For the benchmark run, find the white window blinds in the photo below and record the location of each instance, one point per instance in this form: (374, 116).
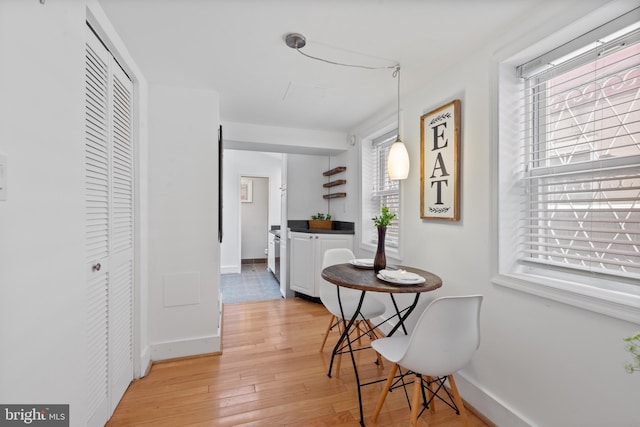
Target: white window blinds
(580, 148)
(382, 190)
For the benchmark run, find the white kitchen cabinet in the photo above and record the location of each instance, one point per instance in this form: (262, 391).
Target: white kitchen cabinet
(307, 251)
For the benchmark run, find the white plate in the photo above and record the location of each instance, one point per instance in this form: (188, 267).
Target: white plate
(362, 263)
(400, 277)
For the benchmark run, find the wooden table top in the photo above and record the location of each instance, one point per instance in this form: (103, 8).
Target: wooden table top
(365, 280)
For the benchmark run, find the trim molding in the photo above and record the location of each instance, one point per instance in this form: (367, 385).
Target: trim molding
(230, 269)
(487, 406)
(610, 303)
(185, 348)
(145, 362)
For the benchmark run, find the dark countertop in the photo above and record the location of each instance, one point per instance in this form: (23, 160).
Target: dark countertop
(275, 230)
(339, 227)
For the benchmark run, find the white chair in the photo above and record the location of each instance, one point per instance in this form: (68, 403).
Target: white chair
(443, 341)
(349, 298)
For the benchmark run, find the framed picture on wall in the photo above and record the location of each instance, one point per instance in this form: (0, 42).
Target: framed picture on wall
(246, 190)
(440, 163)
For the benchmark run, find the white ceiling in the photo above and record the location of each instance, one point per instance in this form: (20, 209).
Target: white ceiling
(236, 47)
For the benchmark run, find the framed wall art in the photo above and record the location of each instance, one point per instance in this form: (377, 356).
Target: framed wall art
(246, 190)
(440, 163)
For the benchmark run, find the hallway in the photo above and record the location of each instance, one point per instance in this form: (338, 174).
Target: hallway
(254, 283)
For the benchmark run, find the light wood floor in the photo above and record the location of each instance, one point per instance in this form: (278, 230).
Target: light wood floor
(270, 374)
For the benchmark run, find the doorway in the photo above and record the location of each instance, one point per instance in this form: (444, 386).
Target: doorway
(254, 219)
(255, 282)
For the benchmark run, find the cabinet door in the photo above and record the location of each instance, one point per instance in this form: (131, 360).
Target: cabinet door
(302, 264)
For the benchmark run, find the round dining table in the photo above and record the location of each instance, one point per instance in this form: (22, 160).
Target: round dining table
(365, 279)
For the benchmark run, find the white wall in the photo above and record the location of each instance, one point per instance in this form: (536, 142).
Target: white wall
(237, 163)
(304, 185)
(346, 209)
(42, 237)
(540, 362)
(276, 139)
(42, 279)
(183, 222)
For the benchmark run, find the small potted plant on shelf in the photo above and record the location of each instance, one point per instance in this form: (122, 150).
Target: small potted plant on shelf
(382, 222)
(321, 221)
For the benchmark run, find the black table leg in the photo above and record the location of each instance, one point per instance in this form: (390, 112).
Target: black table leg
(402, 318)
(345, 336)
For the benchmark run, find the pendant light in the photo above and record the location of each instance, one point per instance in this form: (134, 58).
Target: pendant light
(398, 160)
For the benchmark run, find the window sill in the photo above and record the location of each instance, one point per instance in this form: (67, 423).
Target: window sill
(619, 305)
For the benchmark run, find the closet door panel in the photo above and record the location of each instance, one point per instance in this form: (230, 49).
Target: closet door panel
(121, 283)
(97, 213)
(109, 172)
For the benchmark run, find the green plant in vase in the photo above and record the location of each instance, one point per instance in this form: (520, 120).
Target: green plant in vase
(385, 218)
(382, 222)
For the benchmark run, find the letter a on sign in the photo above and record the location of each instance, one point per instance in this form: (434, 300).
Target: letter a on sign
(440, 163)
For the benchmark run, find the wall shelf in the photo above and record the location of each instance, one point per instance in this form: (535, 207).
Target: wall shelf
(334, 183)
(335, 171)
(334, 195)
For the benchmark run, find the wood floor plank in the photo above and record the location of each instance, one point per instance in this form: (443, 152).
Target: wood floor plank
(270, 373)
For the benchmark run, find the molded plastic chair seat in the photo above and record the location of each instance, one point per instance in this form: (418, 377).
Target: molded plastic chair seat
(370, 307)
(444, 339)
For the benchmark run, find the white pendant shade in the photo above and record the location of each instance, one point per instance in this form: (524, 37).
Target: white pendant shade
(398, 161)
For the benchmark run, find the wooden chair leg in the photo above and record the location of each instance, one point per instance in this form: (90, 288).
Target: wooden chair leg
(432, 405)
(371, 338)
(359, 331)
(458, 400)
(338, 364)
(385, 391)
(415, 400)
(326, 334)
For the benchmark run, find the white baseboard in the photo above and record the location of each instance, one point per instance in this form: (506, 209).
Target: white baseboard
(230, 269)
(184, 348)
(475, 395)
(487, 404)
(145, 362)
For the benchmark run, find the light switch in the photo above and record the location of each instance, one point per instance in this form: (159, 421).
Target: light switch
(3, 177)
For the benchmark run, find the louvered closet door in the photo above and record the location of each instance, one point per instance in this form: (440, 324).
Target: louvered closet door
(109, 231)
(121, 262)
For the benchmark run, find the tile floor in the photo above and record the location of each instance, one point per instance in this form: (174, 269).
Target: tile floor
(254, 283)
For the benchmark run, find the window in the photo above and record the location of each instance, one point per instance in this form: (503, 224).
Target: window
(379, 190)
(570, 167)
(580, 141)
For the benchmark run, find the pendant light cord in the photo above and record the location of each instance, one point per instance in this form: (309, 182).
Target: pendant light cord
(396, 73)
(346, 65)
